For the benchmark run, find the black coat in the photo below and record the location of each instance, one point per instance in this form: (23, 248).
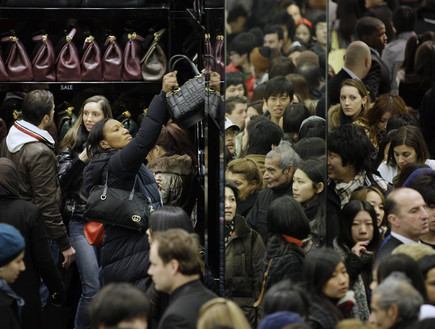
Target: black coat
(377, 80)
(427, 119)
(256, 218)
(125, 253)
(27, 218)
(387, 247)
(184, 305)
(8, 312)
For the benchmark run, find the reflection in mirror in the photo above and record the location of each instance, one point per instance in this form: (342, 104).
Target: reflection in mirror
(276, 70)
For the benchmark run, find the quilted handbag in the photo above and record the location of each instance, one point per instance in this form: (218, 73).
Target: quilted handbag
(43, 62)
(112, 60)
(18, 64)
(112, 206)
(94, 233)
(68, 61)
(154, 63)
(91, 65)
(132, 56)
(186, 103)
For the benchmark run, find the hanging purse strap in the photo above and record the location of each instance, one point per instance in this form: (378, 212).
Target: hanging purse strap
(176, 58)
(260, 298)
(131, 196)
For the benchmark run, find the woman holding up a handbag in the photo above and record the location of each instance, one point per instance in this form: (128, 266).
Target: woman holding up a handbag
(117, 158)
(72, 161)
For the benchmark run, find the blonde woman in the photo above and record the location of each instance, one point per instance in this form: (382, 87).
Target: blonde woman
(221, 312)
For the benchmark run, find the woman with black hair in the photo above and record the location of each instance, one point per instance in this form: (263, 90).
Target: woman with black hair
(287, 227)
(427, 268)
(327, 284)
(357, 240)
(244, 250)
(308, 187)
(117, 158)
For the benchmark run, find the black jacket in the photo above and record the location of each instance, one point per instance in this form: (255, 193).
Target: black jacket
(184, 305)
(387, 247)
(257, 216)
(427, 118)
(378, 79)
(125, 253)
(8, 312)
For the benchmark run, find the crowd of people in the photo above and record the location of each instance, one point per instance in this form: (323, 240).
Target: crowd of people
(329, 191)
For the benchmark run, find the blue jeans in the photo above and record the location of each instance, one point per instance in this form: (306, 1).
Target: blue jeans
(87, 260)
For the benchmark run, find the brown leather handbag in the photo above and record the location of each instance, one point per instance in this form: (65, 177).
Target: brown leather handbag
(132, 56)
(112, 60)
(68, 61)
(43, 62)
(18, 64)
(91, 65)
(154, 63)
(208, 51)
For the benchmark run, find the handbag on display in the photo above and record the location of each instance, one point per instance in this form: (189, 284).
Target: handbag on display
(67, 119)
(91, 61)
(131, 58)
(68, 61)
(186, 103)
(43, 62)
(112, 206)
(208, 49)
(218, 55)
(94, 233)
(128, 123)
(154, 63)
(112, 60)
(3, 72)
(18, 64)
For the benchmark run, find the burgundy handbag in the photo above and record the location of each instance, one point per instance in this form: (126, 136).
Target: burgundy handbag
(218, 55)
(208, 51)
(18, 64)
(112, 60)
(154, 63)
(68, 62)
(3, 72)
(91, 61)
(43, 62)
(132, 56)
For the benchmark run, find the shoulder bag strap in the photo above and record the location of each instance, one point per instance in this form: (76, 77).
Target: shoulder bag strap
(260, 298)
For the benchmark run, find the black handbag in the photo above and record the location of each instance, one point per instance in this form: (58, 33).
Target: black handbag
(112, 206)
(186, 103)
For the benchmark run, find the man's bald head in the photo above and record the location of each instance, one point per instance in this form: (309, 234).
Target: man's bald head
(356, 54)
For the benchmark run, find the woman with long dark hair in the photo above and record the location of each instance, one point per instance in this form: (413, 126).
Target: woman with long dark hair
(72, 161)
(357, 240)
(327, 284)
(287, 227)
(119, 158)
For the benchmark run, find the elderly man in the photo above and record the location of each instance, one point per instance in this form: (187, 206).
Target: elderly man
(407, 214)
(395, 303)
(280, 165)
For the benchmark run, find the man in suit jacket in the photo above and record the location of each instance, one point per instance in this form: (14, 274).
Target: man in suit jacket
(406, 212)
(357, 63)
(372, 31)
(175, 269)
